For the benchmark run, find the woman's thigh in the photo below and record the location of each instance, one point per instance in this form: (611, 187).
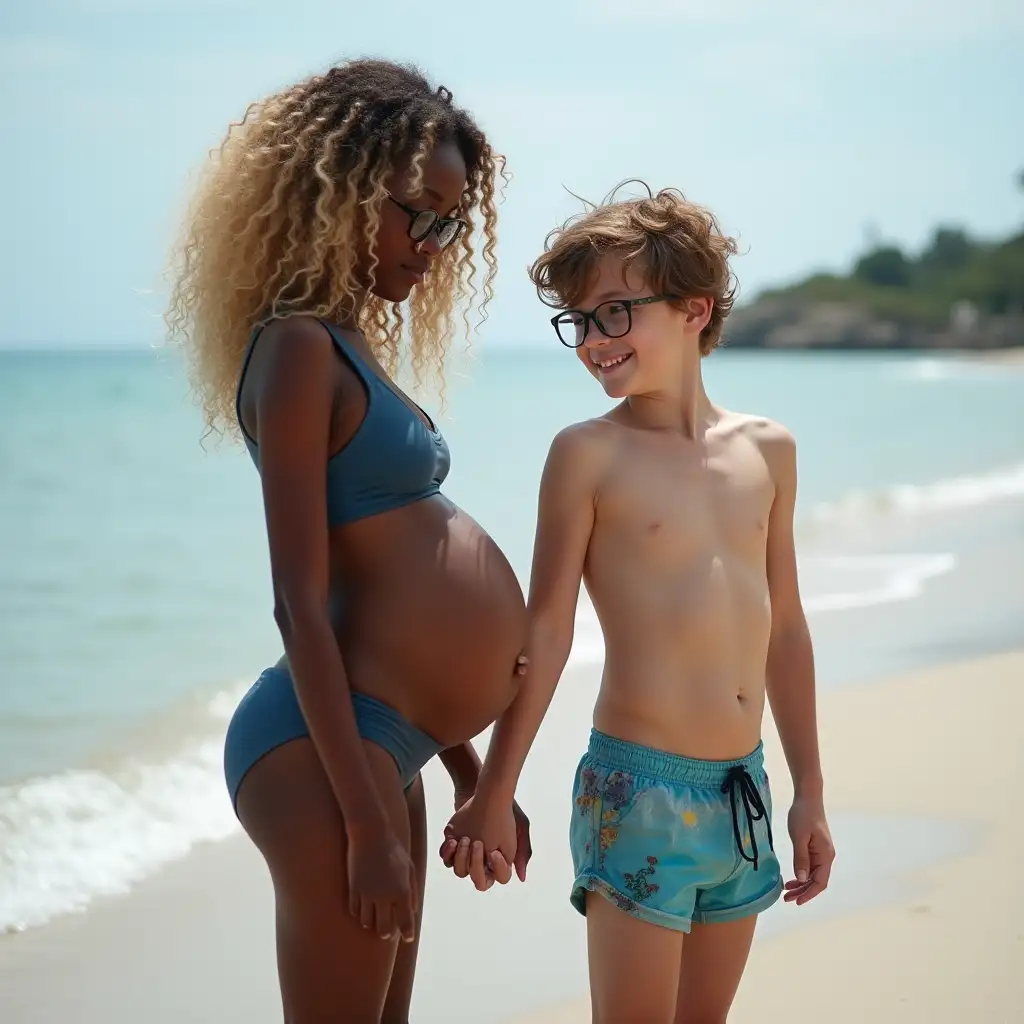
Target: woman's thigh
(328, 963)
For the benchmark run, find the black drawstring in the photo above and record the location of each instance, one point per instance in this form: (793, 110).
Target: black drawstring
(753, 806)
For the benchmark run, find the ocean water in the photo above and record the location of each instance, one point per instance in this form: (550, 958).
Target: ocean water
(135, 602)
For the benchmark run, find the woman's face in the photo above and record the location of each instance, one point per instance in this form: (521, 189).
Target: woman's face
(402, 261)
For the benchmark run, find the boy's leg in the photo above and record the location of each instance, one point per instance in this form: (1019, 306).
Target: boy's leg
(725, 915)
(711, 968)
(634, 966)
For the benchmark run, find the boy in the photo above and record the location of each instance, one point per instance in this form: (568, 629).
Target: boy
(678, 515)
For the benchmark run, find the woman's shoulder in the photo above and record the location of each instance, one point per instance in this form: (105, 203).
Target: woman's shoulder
(302, 329)
(292, 359)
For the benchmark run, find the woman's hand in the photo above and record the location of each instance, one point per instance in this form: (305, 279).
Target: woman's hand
(524, 848)
(381, 882)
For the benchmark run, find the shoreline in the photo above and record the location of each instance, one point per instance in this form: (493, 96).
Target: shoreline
(1013, 356)
(209, 920)
(933, 951)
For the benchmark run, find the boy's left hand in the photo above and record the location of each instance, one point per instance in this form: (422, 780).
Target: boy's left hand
(813, 852)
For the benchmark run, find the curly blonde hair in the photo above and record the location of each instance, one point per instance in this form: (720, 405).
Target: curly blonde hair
(290, 202)
(680, 248)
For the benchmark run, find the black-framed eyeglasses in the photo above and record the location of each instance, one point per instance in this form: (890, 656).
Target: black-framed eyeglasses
(613, 318)
(424, 222)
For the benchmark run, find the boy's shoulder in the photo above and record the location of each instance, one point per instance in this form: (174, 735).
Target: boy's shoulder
(585, 437)
(584, 449)
(772, 439)
(764, 432)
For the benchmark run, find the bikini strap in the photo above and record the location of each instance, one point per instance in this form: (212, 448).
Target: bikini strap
(341, 343)
(350, 355)
(246, 359)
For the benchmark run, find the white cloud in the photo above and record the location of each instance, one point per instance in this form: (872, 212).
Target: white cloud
(893, 20)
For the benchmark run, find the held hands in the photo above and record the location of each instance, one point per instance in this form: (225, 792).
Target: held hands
(813, 852)
(381, 882)
(482, 841)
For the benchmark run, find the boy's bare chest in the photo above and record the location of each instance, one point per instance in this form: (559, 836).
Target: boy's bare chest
(667, 500)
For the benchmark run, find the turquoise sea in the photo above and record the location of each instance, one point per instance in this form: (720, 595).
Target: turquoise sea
(135, 599)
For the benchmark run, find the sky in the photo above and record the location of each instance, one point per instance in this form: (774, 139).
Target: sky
(809, 127)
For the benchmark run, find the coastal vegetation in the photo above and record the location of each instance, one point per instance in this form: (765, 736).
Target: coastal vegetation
(958, 291)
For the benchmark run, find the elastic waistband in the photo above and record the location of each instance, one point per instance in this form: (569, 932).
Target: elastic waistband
(661, 766)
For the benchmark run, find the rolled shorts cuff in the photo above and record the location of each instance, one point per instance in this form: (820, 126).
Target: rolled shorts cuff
(589, 882)
(749, 909)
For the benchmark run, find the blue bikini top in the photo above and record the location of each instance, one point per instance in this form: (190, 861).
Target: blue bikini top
(394, 458)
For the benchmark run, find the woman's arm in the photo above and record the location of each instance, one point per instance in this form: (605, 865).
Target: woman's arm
(293, 406)
(463, 764)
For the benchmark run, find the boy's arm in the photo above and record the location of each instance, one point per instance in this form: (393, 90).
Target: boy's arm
(790, 678)
(790, 664)
(565, 519)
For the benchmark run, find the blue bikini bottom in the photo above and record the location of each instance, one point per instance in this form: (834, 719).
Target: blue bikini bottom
(269, 715)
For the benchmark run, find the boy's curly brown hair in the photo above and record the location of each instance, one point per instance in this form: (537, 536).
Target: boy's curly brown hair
(677, 246)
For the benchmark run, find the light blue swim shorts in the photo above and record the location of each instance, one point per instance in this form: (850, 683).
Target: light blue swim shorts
(670, 839)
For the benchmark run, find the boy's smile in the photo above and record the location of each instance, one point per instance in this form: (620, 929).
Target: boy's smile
(614, 361)
(606, 362)
(610, 362)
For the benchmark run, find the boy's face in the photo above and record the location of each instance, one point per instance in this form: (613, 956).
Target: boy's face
(655, 347)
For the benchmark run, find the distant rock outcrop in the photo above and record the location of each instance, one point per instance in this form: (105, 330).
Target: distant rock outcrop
(794, 323)
(958, 292)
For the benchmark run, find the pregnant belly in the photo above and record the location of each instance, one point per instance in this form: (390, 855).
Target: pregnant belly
(436, 625)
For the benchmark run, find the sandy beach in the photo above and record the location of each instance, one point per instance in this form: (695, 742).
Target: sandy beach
(137, 576)
(1003, 357)
(945, 744)
(906, 944)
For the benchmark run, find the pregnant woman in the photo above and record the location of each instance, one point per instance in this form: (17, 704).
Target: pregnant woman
(326, 208)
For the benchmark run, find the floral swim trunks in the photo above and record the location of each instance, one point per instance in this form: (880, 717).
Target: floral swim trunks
(670, 839)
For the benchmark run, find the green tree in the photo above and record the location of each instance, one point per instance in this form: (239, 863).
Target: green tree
(886, 267)
(950, 249)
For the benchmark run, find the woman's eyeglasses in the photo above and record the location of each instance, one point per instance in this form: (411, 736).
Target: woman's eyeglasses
(422, 223)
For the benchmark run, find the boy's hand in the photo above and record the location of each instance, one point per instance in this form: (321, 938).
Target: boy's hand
(475, 829)
(813, 852)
